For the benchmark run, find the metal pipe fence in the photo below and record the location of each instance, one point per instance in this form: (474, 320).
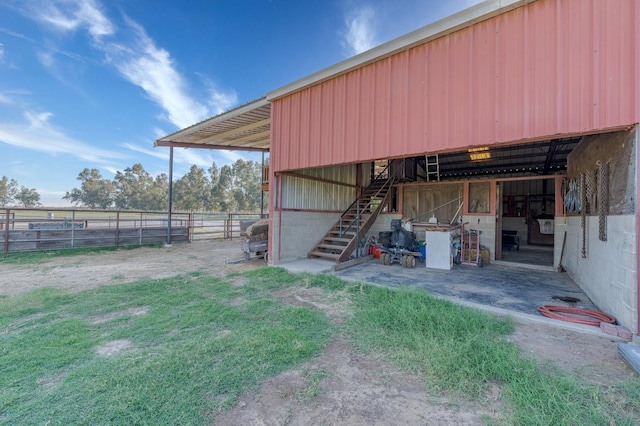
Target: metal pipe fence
(24, 229)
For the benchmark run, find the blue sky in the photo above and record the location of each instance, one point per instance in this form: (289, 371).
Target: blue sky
(90, 83)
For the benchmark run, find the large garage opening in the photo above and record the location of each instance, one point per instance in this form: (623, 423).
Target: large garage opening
(555, 205)
(527, 219)
(510, 193)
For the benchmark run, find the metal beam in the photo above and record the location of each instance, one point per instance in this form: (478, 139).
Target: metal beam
(318, 179)
(209, 146)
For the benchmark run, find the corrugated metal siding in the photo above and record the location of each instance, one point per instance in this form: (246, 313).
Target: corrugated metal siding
(305, 194)
(550, 67)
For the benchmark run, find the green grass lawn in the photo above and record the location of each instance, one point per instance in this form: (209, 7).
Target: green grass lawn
(181, 350)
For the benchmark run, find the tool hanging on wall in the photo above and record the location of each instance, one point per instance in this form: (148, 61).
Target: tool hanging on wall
(583, 214)
(591, 182)
(603, 199)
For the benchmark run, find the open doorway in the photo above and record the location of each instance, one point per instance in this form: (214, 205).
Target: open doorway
(527, 218)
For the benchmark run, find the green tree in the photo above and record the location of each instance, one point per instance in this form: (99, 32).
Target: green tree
(8, 191)
(94, 191)
(192, 192)
(221, 189)
(159, 193)
(28, 197)
(136, 189)
(246, 185)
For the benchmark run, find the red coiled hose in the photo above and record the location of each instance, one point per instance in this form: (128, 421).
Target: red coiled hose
(550, 311)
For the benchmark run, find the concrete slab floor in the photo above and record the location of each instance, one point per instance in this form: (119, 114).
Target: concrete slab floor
(511, 288)
(313, 266)
(502, 289)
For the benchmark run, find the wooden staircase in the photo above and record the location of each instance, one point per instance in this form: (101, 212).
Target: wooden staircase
(342, 239)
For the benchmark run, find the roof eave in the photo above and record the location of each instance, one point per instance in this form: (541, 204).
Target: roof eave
(170, 140)
(209, 146)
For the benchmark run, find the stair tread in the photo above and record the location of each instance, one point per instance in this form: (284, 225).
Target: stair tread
(346, 240)
(331, 246)
(324, 254)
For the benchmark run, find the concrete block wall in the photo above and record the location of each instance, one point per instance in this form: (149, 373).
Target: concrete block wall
(383, 223)
(487, 226)
(608, 274)
(560, 226)
(300, 232)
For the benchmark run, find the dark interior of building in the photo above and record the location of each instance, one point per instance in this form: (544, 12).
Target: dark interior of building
(527, 204)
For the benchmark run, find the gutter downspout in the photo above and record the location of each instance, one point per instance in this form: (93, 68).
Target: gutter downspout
(168, 243)
(637, 336)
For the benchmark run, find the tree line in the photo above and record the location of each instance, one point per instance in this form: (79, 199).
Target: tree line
(12, 193)
(235, 187)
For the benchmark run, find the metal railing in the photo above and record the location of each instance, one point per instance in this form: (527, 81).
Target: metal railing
(23, 229)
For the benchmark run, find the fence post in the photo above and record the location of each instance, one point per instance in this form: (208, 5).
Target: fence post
(73, 228)
(117, 229)
(191, 227)
(140, 228)
(6, 231)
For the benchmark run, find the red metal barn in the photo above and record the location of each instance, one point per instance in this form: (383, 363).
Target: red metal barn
(518, 116)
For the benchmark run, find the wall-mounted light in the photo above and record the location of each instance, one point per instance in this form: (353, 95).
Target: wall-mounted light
(476, 154)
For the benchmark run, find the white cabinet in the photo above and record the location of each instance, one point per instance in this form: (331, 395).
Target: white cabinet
(438, 250)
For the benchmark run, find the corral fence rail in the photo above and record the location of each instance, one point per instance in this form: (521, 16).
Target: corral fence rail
(28, 229)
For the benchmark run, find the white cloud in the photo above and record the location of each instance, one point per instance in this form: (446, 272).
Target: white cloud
(38, 134)
(144, 64)
(137, 58)
(112, 170)
(359, 35)
(192, 156)
(152, 69)
(159, 133)
(71, 15)
(1, 52)
(219, 101)
(46, 59)
(162, 154)
(232, 156)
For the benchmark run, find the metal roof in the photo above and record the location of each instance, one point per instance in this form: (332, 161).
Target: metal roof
(246, 128)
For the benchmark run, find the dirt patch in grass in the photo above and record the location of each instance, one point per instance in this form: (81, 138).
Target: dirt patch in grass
(124, 266)
(337, 308)
(113, 347)
(593, 359)
(341, 386)
(99, 319)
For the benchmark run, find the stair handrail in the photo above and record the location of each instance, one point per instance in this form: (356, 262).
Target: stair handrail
(364, 226)
(389, 181)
